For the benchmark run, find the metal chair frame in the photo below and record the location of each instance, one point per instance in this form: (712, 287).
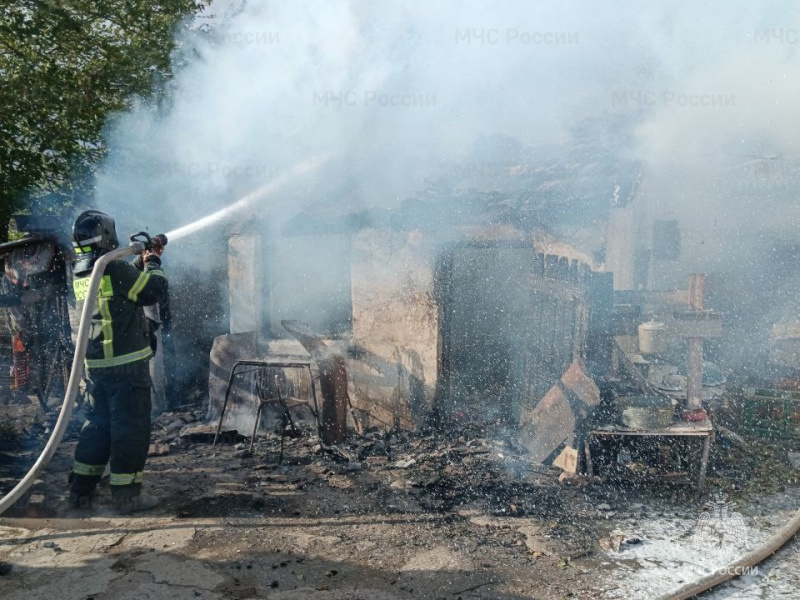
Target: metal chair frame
(265, 364)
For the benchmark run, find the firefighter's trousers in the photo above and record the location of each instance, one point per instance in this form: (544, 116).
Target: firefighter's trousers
(117, 427)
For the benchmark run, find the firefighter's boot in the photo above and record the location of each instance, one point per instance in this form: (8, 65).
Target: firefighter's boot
(82, 501)
(81, 491)
(125, 504)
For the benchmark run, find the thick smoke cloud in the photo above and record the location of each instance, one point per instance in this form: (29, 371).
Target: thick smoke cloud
(394, 90)
(390, 89)
(718, 137)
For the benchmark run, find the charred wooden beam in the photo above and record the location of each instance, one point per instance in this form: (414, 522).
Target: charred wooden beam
(333, 387)
(332, 382)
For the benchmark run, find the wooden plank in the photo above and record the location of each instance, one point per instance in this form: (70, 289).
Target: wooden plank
(568, 460)
(553, 422)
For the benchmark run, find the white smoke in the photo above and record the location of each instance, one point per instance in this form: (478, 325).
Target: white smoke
(394, 90)
(271, 84)
(391, 89)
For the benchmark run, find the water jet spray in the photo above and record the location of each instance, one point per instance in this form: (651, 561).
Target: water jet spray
(245, 201)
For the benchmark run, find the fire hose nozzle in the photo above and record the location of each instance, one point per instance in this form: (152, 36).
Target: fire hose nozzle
(143, 241)
(160, 240)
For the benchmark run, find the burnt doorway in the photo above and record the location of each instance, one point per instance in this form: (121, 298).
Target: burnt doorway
(508, 321)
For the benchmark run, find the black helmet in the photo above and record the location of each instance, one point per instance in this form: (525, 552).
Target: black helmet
(93, 235)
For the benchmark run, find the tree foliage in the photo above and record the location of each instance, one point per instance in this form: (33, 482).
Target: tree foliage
(64, 66)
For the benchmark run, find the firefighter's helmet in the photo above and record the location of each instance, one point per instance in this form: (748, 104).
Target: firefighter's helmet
(93, 234)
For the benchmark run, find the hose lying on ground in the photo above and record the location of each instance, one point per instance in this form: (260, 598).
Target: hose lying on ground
(737, 567)
(74, 377)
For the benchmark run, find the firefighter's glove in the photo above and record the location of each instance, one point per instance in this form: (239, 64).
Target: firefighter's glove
(147, 258)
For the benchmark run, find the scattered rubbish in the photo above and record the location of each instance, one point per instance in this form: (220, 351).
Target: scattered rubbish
(730, 436)
(612, 543)
(617, 541)
(205, 434)
(771, 413)
(574, 479)
(472, 485)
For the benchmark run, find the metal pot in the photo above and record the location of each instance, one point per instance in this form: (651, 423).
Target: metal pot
(646, 412)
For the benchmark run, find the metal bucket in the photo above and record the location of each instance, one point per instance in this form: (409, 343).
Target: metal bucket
(652, 338)
(646, 412)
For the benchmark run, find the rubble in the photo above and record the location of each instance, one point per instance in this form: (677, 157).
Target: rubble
(439, 473)
(204, 434)
(616, 542)
(465, 508)
(10, 436)
(574, 479)
(158, 450)
(169, 423)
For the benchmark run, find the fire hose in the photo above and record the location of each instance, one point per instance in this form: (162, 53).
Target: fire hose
(738, 567)
(139, 243)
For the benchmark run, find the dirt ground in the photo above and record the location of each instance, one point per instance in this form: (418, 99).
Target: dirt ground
(383, 516)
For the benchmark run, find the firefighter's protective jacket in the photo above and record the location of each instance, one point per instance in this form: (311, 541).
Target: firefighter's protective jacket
(119, 333)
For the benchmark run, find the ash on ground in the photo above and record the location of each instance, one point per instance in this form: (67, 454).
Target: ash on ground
(387, 515)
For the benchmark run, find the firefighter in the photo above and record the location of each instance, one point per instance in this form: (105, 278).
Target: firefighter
(117, 425)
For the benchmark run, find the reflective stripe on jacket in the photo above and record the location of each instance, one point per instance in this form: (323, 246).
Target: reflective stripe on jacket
(118, 334)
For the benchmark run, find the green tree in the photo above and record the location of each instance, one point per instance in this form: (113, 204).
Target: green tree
(64, 66)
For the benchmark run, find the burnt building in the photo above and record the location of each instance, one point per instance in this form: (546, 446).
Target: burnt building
(438, 307)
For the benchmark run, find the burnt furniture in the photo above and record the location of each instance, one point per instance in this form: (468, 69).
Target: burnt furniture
(278, 399)
(702, 430)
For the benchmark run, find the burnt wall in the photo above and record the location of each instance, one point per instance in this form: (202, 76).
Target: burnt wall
(477, 328)
(392, 359)
(511, 322)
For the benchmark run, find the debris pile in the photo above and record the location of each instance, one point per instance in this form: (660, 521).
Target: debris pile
(445, 472)
(23, 432)
(414, 510)
(168, 425)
